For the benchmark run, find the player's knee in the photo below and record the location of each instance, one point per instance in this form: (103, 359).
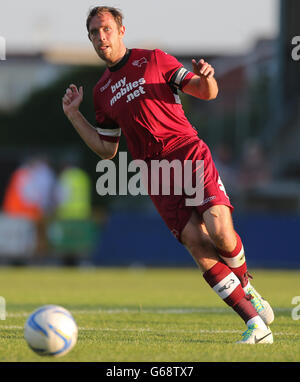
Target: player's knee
(223, 238)
(203, 253)
(198, 248)
(220, 227)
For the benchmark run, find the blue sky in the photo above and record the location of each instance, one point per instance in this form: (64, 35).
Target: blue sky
(214, 26)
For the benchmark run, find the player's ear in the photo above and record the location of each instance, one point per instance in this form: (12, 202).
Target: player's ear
(122, 30)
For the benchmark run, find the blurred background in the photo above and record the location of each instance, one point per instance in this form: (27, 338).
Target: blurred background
(50, 211)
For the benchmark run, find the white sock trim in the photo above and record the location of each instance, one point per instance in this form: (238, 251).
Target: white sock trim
(226, 286)
(236, 261)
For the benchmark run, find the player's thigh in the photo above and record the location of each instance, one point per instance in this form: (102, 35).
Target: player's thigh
(195, 236)
(197, 241)
(219, 224)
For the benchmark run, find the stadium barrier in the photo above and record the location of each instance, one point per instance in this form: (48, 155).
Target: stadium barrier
(18, 238)
(72, 240)
(138, 239)
(68, 241)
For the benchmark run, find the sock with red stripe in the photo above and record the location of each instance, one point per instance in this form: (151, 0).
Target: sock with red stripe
(227, 285)
(236, 261)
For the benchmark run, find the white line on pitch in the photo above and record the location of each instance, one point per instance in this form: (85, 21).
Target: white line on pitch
(146, 310)
(15, 327)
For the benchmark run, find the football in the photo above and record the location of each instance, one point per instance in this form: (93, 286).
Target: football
(51, 331)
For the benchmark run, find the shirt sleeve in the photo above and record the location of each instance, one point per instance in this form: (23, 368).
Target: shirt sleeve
(107, 129)
(173, 71)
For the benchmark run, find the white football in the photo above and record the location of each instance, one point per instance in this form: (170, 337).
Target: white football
(51, 331)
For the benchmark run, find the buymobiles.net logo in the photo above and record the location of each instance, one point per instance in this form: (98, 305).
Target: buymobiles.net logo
(2, 49)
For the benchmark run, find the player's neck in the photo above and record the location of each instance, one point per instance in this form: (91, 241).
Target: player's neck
(122, 53)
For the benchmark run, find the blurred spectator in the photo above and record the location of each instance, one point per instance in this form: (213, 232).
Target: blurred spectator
(73, 194)
(30, 195)
(255, 169)
(72, 232)
(223, 158)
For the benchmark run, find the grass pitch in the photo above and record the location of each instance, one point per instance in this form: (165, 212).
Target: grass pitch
(146, 315)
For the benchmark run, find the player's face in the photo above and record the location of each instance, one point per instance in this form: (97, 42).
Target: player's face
(107, 38)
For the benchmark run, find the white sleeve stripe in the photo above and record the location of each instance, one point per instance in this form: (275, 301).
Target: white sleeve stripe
(109, 132)
(180, 76)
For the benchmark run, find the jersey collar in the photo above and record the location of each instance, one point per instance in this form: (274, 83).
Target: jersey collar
(121, 63)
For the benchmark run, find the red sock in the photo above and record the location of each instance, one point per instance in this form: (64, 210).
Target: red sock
(236, 261)
(226, 284)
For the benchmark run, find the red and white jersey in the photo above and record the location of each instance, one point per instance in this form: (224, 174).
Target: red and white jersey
(139, 97)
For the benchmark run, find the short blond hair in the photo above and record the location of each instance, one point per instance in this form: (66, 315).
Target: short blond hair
(96, 11)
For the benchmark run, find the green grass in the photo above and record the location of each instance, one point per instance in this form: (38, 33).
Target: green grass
(149, 315)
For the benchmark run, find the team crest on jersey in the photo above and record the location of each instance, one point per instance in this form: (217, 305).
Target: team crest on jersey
(140, 62)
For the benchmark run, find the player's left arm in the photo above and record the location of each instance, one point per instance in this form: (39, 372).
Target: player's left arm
(203, 84)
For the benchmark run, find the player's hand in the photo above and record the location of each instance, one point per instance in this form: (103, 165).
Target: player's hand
(72, 99)
(203, 69)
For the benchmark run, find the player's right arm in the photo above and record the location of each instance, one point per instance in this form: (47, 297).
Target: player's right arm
(71, 102)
